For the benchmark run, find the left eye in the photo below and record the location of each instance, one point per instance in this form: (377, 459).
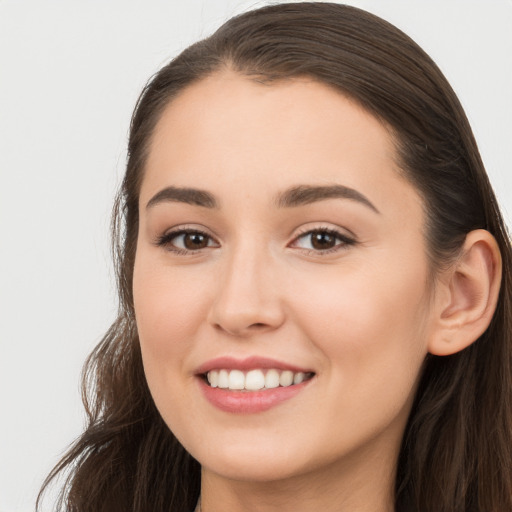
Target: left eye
(322, 240)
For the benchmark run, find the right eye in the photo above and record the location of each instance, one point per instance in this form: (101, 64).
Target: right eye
(184, 241)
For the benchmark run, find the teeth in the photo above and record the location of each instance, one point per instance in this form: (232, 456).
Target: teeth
(254, 380)
(286, 378)
(298, 378)
(213, 379)
(272, 379)
(223, 381)
(236, 379)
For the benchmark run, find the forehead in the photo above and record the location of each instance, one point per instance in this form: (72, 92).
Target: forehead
(231, 108)
(230, 130)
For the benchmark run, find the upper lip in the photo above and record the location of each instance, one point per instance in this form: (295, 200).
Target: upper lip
(248, 363)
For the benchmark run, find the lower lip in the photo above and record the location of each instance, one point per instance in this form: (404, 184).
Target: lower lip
(249, 402)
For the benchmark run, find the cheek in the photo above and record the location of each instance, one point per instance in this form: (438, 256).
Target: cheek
(372, 324)
(170, 307)
(371, 332)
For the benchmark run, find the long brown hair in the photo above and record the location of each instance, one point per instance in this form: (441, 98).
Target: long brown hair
(456, 454)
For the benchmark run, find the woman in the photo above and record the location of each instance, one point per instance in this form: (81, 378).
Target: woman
(314, 284)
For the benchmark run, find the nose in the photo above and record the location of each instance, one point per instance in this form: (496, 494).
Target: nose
(248, 298)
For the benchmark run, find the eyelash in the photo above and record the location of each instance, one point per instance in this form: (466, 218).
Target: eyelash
(166, 240)
(344, 241)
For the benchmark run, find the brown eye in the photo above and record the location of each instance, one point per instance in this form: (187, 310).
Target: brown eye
(194, 241)
(184, 241)
(322, 240)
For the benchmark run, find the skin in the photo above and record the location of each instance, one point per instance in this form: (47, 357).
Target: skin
(359, 316)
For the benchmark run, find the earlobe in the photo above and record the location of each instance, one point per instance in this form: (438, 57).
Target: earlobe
(467, 296)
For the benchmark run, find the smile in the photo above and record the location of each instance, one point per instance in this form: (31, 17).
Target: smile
(251, 385)
(255, 380)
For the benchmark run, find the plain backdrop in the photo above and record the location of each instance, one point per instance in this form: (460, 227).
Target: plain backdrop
(70, 73)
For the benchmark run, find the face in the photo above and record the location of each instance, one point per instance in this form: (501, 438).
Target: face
(279, 247)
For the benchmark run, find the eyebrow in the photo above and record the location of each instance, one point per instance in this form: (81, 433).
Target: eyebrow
(293, 197)
(183, 195)
(307, 194)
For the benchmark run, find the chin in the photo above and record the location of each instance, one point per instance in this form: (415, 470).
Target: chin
(256, 462)
(263, 470)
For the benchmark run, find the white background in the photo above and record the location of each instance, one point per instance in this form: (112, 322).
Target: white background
(70, 73)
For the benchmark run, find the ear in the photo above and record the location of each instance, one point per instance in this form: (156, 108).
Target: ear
(466, 295)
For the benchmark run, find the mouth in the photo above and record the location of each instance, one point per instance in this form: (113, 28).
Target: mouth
(257, 379)
(251, 385)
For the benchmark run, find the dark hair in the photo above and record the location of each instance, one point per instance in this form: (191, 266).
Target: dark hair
(456, 454)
